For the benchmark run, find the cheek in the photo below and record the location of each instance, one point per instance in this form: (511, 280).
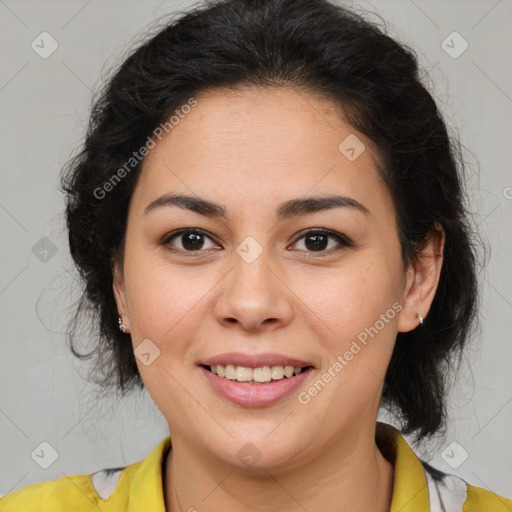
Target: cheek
(166, 301)
(350, 300)
(356, 312)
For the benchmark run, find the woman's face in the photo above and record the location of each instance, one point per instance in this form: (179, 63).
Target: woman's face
(253, 289)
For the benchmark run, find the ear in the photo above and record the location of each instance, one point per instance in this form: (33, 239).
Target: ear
(421, 281)
(119, 291)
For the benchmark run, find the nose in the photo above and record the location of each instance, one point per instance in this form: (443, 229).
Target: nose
(253, 296)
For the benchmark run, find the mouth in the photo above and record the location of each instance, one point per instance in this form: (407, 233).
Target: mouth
(256, 376)
(255, 380)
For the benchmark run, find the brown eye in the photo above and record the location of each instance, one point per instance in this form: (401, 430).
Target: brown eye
(318, 241)
(188, 240)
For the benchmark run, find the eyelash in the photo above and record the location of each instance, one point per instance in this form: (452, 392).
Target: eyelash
(343, 240)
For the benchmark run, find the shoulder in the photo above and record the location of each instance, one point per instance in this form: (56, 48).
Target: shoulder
(75, 492)
(57, 496)
(482, 500)
(138, 486)
(450, 493)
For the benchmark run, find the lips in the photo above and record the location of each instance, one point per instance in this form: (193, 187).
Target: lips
(255, 361)
(255, 380)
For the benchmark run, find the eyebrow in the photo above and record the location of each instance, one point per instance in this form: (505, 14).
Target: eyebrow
(286, 210)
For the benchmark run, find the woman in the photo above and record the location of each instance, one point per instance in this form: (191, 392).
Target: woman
(268, 218)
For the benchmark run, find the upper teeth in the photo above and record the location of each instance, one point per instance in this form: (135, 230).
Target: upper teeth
(262, 374)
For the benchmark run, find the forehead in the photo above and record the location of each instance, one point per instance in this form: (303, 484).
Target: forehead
(262, 145)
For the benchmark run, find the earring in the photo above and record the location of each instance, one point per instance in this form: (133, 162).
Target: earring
(122, 327)
(421, 319)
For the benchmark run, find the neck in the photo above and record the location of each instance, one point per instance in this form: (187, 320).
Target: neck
(351, 475)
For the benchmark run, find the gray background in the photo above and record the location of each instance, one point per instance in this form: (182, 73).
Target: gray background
(44, 109)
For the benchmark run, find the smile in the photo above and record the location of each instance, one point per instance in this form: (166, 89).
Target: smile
(254, 375)
(254, 380)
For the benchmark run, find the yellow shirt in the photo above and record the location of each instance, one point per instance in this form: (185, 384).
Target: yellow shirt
(138, 487)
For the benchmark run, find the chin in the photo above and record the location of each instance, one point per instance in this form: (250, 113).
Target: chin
(258, 450)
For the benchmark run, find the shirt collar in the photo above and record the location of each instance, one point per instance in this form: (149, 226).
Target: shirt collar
(146, 482)
(410, 491)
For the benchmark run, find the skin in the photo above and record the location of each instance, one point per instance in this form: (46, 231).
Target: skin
(250, 150)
